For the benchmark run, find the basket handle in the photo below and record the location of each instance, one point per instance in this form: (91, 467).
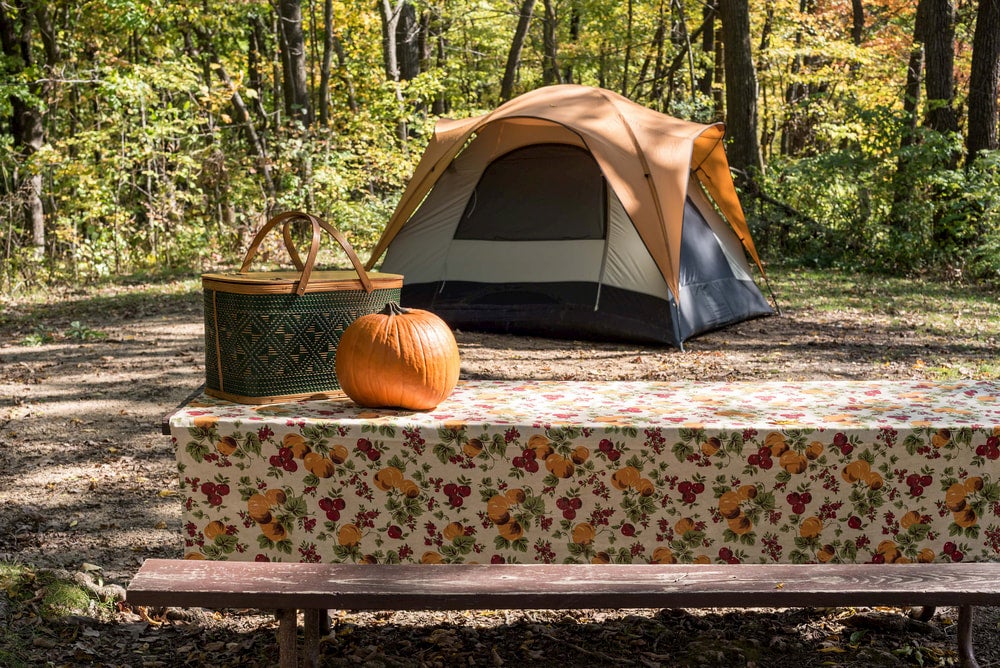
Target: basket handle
(285, 220)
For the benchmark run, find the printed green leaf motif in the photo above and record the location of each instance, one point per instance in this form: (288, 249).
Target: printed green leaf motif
(197, 450)
(443, 452)
(682, 451)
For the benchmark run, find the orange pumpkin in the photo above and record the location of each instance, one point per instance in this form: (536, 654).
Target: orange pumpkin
(401, 358)
(338, 454)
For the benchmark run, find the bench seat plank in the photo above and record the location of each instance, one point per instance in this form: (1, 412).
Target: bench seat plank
(163, 582)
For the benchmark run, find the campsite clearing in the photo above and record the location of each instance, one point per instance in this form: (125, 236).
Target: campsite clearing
(90, 485)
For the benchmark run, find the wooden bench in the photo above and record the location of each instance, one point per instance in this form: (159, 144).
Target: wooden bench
(315, 588)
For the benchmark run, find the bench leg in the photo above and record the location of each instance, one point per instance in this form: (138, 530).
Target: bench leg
(287, 631)
(313, 632)
(966, 652)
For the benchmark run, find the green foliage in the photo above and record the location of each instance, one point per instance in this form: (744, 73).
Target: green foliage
(38, 337)
(81, 332)
(902, 210)
(148, 167)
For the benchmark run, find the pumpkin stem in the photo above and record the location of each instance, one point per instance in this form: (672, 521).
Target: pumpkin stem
(392, 308)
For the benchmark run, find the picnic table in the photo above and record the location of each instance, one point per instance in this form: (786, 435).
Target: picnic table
(601, 472)
(548, 494)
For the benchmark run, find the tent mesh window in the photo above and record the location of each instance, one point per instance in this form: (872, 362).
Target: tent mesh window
(542, 192)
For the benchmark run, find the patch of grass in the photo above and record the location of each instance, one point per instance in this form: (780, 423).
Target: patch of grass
(67, 309)
(985, 370)
(27, 594)
(15, 589)
(62, 598)
(939, 308)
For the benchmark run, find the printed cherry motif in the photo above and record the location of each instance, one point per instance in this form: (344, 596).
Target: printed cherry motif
(366, 446)
(456, 493)
(798, 501)
(840, 441)
(214, 492)
(690, 490)
(527, 460)
(610, 451)
(990, 449)
(332, 507)
(918, 483)
(285, 459)
(569, 506)
(726, 555)
(761, 458)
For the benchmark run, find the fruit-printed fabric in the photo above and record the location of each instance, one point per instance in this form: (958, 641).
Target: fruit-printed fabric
(621, 472)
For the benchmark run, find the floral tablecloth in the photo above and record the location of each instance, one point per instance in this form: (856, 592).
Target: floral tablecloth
(547, 471)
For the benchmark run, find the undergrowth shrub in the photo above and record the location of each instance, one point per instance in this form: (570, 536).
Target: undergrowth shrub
(906, 211)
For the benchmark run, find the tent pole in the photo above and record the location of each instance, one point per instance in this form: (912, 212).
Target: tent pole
(774, 299)
(677, 322)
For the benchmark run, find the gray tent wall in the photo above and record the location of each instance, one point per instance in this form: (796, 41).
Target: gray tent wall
(514, 262)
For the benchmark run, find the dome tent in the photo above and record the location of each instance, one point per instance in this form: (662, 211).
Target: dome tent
(571, 211)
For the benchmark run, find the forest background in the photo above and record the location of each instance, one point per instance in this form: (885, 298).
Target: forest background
(153, 136)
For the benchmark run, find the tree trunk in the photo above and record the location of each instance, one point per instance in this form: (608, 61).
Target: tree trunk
(936, 20)
(293, 41)
(256, 61)
(911, 94)
(550, 46)
(436, 34)
(324, 74)
(408, 42)
(911, 108)
(707, 81)
(798, 127)
(741, 89)
(390, 25)
(574, 37)
(27, 122)
(684, 38)
(390, 56)
(857, 22)
(628, 49)
(984, 81)
(516, 45)
(656, 91)
(683, 54)
(352, 98)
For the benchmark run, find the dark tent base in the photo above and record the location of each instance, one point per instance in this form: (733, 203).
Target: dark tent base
(563, 311)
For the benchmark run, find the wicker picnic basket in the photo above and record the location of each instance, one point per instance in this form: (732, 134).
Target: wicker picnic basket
(272, 336)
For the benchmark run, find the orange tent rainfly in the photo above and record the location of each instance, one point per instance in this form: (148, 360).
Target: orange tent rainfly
(572, 211)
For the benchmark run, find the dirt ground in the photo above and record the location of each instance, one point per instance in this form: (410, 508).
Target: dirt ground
(88, 489)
